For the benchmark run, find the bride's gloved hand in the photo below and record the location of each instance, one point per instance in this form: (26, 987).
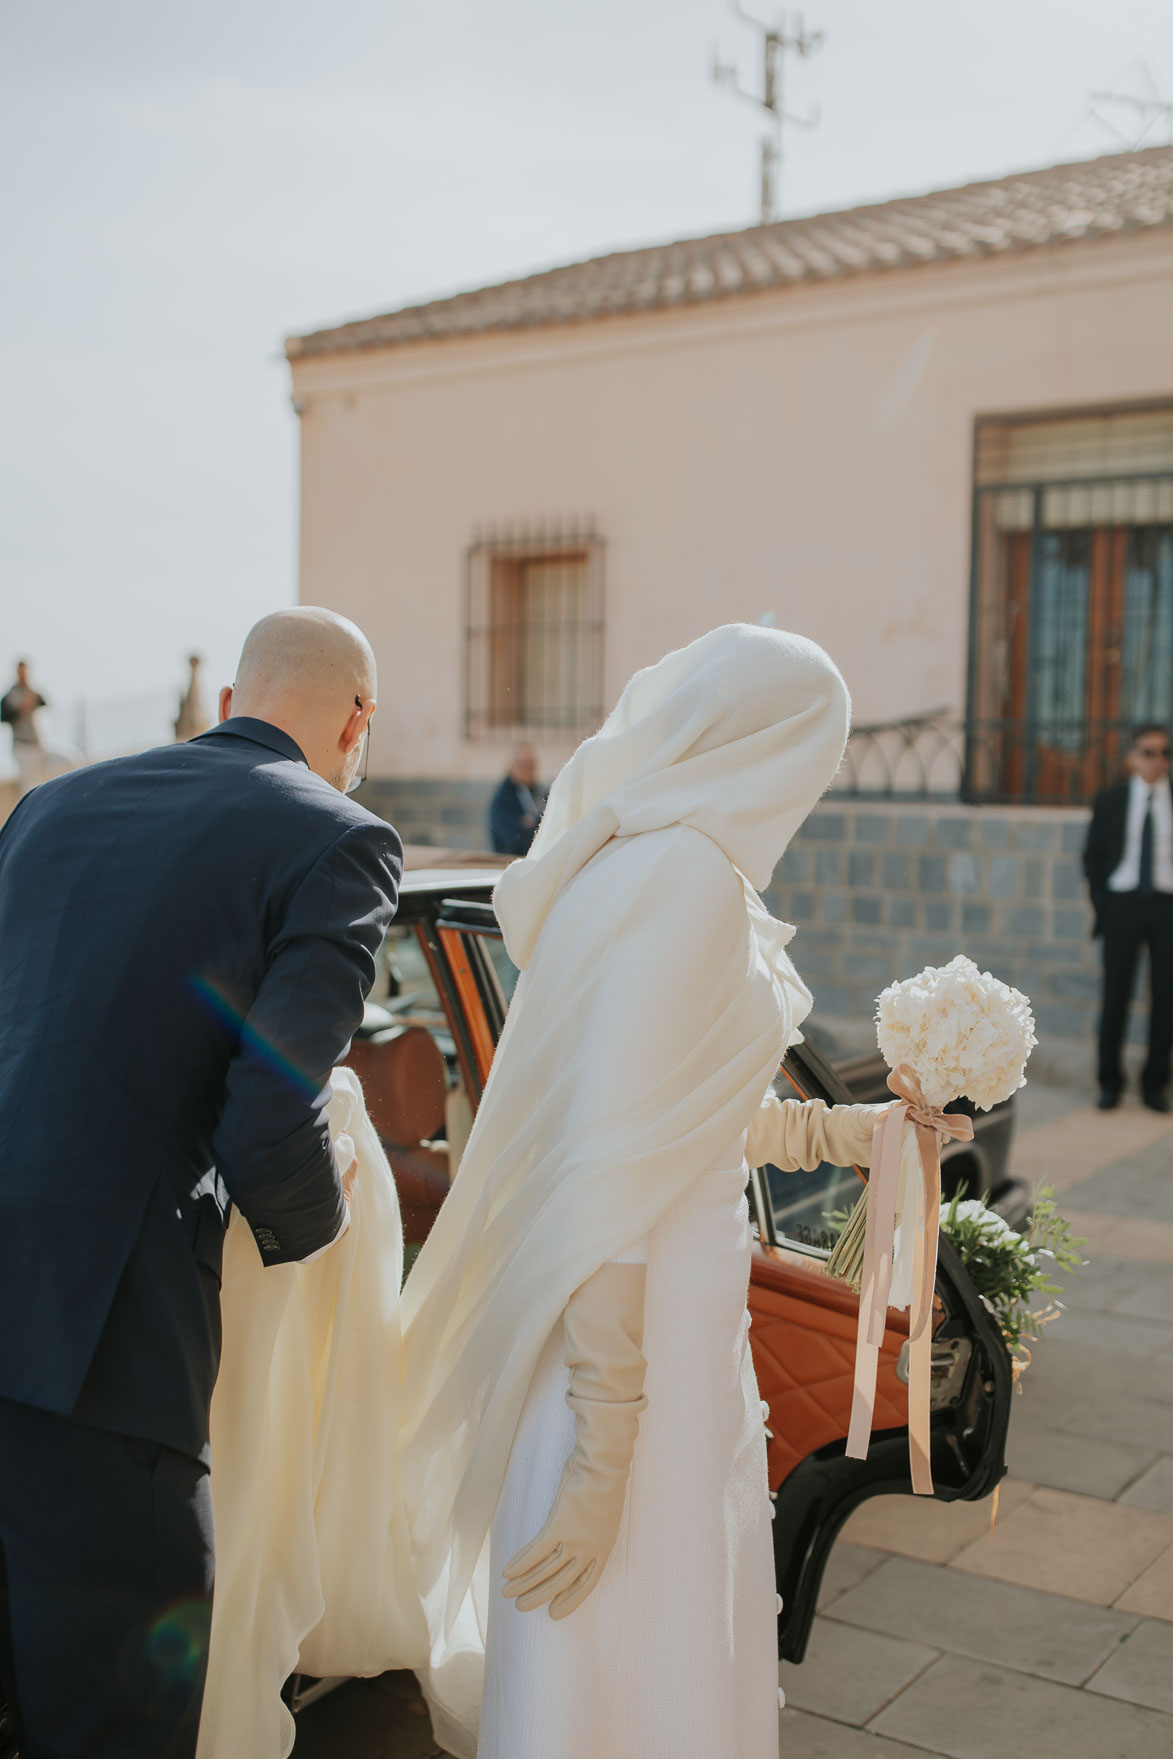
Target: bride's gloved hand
(603, 1336)
(794, 1133)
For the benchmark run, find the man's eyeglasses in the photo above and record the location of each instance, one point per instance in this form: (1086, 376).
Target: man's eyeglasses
(360, 774)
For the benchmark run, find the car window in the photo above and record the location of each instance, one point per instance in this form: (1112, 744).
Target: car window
(405, 990)
(507, 972)
(807, 1208)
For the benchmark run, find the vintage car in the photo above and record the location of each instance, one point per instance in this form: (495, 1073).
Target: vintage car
(424, 1055)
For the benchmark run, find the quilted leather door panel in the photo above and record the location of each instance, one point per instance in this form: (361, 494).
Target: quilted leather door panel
(803, 1342)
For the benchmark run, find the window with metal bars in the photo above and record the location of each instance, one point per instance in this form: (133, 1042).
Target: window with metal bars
(534, 632)
(1071, 632)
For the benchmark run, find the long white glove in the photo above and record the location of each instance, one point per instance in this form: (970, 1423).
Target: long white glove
(603, 1333)
(794, 1133)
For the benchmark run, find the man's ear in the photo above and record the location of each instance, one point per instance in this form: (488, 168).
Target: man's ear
(357, 723)
(226, 702)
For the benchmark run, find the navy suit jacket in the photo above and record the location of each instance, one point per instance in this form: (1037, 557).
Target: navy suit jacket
(187, 939)
(1106, 836)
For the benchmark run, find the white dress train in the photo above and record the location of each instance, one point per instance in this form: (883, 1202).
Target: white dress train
(674, 1655)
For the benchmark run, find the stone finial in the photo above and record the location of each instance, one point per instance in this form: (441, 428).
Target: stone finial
(192, 718)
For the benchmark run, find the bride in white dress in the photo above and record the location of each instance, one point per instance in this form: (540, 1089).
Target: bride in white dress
(579, 1396)
(674, 1652)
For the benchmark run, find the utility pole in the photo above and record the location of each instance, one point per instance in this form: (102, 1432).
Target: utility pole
(777, 42)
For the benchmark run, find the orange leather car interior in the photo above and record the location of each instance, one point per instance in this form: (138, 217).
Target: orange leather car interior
(803, 1342)
(406, 1085)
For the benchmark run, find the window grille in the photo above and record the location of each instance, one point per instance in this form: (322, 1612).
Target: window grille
(1071, 630)
(534, 642)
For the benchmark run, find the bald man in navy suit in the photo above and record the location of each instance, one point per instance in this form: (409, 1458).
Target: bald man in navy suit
(187, 939)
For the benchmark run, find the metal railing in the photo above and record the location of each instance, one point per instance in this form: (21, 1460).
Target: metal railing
(86, 731)
(942, 756)
(907, 759)
(125, 724)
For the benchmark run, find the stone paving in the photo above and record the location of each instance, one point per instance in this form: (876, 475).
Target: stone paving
(1049, 1632)
(944, 1633)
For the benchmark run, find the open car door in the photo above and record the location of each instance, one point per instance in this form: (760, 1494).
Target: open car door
(803, 1338)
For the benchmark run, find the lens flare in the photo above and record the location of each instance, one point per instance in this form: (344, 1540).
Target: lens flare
(215, 998)
(177, 1647)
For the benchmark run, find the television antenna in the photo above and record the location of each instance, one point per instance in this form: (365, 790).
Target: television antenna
(1149, 107)
(778, 41)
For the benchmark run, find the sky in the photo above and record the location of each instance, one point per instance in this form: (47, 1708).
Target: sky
(187, 184)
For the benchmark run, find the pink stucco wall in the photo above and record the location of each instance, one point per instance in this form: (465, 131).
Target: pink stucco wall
(805, 453)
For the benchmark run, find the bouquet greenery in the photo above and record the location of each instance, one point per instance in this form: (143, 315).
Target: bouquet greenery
(1011, 1270)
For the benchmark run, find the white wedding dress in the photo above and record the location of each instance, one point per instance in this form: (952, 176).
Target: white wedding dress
(313, 1561)
(674, 1654)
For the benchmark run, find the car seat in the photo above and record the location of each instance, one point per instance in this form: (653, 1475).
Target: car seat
(405, 1081)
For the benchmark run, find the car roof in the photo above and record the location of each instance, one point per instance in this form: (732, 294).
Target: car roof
(426, 869)
(445, 879)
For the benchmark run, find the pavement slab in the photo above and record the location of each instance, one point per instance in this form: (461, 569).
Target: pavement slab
(810, 1737)
(1073, 1545)
(1152, 1593)
(974, 1710)
(849, 1675)
(1141, 1670)
(1074, 1148)
(1045, 1634)
(847, 1565)
(1104, 1285)
(1132, 1184)
(1051, 1391)
(1151, 1296)
(1122, 1236)
(1154, 1488)
(934, 1531)
(1126, 1416)
(1082, 1371)
(1116, 1339)
(1089, 1466)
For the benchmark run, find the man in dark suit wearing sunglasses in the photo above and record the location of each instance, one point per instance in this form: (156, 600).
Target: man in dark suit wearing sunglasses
(1128, 861)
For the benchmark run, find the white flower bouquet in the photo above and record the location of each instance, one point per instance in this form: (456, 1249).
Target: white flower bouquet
(951, 1030)
(956, 1030)
(960, 1030)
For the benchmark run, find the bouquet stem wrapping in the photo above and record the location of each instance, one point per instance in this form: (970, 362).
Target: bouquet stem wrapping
(874, 1217)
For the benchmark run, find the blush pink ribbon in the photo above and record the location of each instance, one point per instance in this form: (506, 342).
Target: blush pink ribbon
(933, 1126)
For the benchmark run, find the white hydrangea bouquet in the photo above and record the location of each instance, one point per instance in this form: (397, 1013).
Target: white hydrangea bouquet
(951, 1030)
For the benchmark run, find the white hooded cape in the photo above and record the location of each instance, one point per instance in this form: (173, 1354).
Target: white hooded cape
(655, 1002)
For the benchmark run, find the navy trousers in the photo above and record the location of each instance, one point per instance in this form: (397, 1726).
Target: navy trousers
(105, 1590)
(1132, 920)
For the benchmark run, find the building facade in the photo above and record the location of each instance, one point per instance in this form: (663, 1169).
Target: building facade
(935, 435)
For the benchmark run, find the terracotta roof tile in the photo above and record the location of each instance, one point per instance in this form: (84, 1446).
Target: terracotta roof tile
(1030, 211)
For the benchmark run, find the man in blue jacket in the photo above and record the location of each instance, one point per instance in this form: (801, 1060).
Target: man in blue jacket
(187, 939)
(517, 805)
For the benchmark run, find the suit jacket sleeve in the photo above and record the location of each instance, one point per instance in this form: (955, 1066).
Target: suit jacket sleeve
(1100, 856)
(272, 1147)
